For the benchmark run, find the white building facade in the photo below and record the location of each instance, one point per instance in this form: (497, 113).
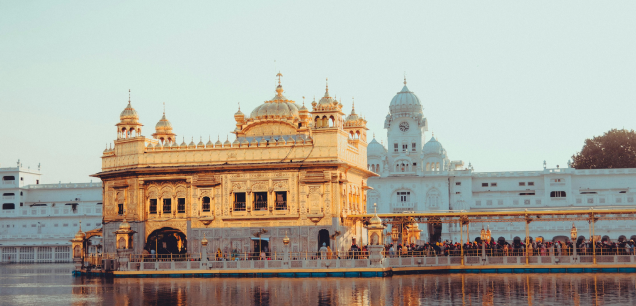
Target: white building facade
(424, 179)
(37, 220)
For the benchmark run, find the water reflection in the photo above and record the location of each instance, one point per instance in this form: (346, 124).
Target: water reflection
(53, 285)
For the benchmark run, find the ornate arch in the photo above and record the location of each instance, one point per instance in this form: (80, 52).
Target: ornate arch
(152, 193)
(181, 191)
(238, 186)
(166, 192)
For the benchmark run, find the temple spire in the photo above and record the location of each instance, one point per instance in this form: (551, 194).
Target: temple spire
(279, 88)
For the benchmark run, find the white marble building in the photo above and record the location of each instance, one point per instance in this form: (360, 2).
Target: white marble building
(423, 178)
(38, 220)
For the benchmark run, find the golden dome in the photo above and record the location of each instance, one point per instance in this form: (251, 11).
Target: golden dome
(204, 241)
(326, 99)
(163, 125)
(129, 114)
(375, 220)
(353, 116)
(279, 107)
(124, 226)
(80, 234)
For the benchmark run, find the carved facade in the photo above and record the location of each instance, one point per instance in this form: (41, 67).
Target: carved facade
(289, 170)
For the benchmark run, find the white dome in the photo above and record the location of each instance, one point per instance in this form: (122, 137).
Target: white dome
(433, 147)
(375, 149)
(405, 101)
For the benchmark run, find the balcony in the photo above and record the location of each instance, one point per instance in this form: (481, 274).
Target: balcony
(260, 205)
(239, 206)
(404, 205)
(400, 207)
(281, 205)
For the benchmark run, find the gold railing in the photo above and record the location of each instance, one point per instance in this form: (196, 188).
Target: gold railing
(163, 257)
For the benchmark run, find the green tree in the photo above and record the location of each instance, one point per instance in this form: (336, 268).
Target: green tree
(614, 149)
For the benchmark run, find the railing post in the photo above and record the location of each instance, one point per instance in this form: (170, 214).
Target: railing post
(593, 238)
(527, 239)
(461, 241)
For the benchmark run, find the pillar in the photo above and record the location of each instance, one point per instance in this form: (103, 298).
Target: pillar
(527, 239)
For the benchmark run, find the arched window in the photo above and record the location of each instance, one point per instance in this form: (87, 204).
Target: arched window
(205, 204)
(377, 167)
(428, 166)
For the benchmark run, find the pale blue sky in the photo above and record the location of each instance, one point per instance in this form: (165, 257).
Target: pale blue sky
(504, 84)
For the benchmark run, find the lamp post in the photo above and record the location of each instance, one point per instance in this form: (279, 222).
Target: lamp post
(488, 234)
(574, 235)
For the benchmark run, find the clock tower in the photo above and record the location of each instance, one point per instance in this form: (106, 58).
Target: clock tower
(405, 125)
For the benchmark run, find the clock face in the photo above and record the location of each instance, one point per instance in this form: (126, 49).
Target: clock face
(404, 126)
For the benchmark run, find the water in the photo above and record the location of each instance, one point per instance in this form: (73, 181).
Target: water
(52, 284)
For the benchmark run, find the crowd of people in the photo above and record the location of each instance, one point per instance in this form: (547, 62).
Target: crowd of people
(517, 248)
(445, 248)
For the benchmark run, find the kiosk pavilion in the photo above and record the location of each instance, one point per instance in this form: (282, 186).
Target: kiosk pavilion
(289, 171)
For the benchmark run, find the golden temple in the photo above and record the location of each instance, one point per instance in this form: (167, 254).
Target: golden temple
(288, 171)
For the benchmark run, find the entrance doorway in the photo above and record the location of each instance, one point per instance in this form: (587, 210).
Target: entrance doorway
(323, 237)
(259, 245)
(434, 232)
(167, 241)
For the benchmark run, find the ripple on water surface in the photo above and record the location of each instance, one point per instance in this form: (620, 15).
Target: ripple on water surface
(52, 284)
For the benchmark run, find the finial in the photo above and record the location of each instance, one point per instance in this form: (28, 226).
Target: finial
(353, 104)
(239, 106)
(128, 96)
(303, 100)
(373, 135)
(80, 225)
(218, 137)
(279, 75)
(375, 208)
(404, 78)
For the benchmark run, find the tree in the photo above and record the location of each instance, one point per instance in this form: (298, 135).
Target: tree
(614, 149)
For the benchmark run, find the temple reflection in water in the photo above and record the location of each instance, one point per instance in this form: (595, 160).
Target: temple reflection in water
(458, 289)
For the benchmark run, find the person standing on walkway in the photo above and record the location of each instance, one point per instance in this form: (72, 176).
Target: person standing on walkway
(323, 251)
